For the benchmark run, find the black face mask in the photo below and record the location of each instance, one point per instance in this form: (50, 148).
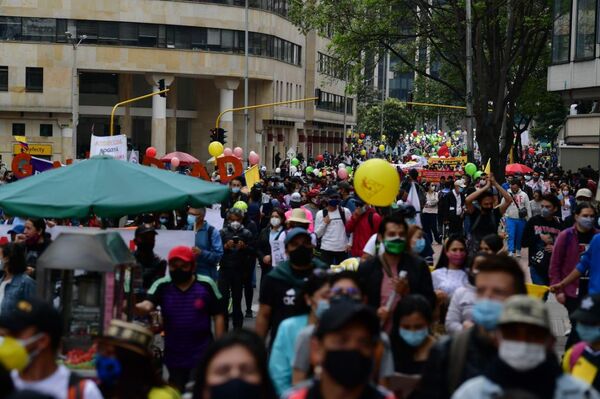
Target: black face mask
(349, 368)
(235, 389)
(301, 256)
(179, 276)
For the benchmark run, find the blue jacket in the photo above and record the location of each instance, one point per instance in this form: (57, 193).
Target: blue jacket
(283, 352)
(21, 287)
(211, 246)
(590, 262)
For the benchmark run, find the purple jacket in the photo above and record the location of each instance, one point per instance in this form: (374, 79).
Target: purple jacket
(565, 257)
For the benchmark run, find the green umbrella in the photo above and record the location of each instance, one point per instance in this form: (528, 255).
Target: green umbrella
(106, 187)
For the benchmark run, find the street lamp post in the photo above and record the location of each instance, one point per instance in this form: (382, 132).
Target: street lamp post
(74, 90)
(469, 71)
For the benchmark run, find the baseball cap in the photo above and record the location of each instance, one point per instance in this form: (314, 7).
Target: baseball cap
(132, 336)
(181, 252)
(241, 205)
(312, 193)
(295, 197)
(589, 310)
(33, 313)
(145, 228)
(17, 229)
(460, 183)
(526, 310)
(583, 192)
(295, 232)
(331, 192)
(342, 313)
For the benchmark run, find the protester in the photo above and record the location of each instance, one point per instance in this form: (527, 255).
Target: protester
(466, 355)
(453, 208)
(583, 359)
(348, 200)
(152, 266)
(449, 273)
(344, 346)
(589, 266)
(313, 202)
(536, 203)
(235, 195)
(38, 329)
(382, 276)
(525, 361)
(429, 214)
(234, 366)
(208, 246)
(539, 236)
(416, 241)
(362, 225)
(517, 214)
(492, 244)
(279, 290)
(188, 301)
(124, 364)
(268, 245)
(296, 203)
(36, 240)
(15, 284)
(330, 227)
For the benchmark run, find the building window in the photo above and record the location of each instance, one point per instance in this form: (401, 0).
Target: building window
(39, 29)
(46, 130)
(108, 32)
(334, 103)
(10, 28)
(18, 129)
(585, 38)
(99, 83)
(34, 80)
(3, 78)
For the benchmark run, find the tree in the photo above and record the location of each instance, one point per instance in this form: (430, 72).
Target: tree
(509, 38)
(397, 120)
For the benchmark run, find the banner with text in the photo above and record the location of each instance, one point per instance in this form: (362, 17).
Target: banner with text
(434, 176)
(114, 146)
(454, 161)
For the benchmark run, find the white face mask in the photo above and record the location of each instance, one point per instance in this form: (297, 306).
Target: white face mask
(522, 356)
(275, 222)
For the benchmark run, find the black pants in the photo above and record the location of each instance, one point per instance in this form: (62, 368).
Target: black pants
(230, 285)
(248, 283)
(179, 377)
(430, 226)
(332, 257)
(572, 304)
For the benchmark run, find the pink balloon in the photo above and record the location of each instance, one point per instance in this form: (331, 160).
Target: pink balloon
(253, 158)
(238, 152)
(343, 174)
(227, 152)
(175, 162)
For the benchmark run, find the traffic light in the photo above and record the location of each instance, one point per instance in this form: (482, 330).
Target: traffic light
(161, 87)
(318, 95)
(218, 135)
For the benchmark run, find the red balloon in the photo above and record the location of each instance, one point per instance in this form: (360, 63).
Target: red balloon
(415, 133)
(532, 151)
(320, 157)
(362, 135)
(151, 152)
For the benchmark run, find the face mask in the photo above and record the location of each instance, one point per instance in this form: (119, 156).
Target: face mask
(587, 333)
(349, 368)
(456, 258)
(527, 177)
(191, 220)
(486, 313)
(163, 220)
(301, 256)
(414, 338)
(235, 225)
(333, 203)
(275, 222)
(179, 276)
(586, 223)
(394, 246)
(13, 355)
(235, 190)
(236, 388)
(411, 221)
(460, 189)
(546, 213)
(322, 307)
(521, 356)
(108, 369)
(420, 245)
(566, 193)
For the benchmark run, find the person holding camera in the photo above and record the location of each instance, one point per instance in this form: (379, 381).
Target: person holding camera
(236, 240)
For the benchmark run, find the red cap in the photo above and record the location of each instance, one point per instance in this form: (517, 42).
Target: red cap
(181, 252)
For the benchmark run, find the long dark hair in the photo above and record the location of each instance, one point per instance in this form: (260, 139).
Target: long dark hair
(443, 260)
(253, 344)
(16, 257)
(403, 353)
(39, 224)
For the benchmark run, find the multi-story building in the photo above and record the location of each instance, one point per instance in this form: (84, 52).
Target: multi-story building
(196, 47)
(575, 73)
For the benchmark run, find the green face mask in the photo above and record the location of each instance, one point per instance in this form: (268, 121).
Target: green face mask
(394, 246)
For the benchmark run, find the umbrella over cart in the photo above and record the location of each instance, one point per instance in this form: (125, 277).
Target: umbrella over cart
(517, 168)
(185, 159)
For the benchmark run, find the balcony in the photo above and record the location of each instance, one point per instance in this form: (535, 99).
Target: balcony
(582, 129)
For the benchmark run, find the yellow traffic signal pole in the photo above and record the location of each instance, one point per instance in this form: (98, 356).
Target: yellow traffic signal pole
(131, 100)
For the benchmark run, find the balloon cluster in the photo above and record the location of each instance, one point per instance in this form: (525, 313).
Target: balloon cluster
(216, 149)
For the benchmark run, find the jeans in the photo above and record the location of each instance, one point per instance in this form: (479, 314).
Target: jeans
(209, 271)
(230, 285)
(515, 229)
(332, 257)
(430, 226)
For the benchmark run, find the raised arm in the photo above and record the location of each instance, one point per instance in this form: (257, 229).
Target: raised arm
(473, 196)
(507, 198)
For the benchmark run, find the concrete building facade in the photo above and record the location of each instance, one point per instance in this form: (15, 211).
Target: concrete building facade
(195, 47)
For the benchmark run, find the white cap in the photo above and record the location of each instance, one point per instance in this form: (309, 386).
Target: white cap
(460, 183)
(296, 197)
(584, 192)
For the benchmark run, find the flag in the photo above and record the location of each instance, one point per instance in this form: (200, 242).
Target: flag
(413, 199)
(488, 168)
(22, 140)
(252, 176)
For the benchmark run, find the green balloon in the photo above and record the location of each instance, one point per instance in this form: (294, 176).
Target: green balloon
(478, 174)
(309, 169)
(349, 169)
(470, 168)
(295, 161)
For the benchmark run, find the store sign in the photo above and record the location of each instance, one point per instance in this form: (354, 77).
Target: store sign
(34, 149)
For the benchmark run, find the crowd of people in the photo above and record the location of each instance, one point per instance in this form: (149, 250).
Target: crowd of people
(423, 299)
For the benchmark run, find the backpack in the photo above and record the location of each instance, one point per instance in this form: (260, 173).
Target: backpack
(76, 387)
(342, 214)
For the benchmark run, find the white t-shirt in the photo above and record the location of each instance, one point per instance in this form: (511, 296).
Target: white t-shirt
(371, 245)
(333, 235)
(448, 280)
(56, 385)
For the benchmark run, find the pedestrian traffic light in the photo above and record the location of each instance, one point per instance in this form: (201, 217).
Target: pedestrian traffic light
(161, 87)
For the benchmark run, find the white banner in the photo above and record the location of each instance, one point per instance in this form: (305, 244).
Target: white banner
(114, 146)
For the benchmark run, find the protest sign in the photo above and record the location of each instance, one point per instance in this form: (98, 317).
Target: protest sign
(114, 146)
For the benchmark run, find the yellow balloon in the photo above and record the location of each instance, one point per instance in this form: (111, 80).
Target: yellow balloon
(448, 144)
(360, 142)
(215, 148)
(377, 182)
(381, 147)
(363, 152)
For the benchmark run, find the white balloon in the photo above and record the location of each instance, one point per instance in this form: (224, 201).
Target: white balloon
(278, 170)
(316, 172)
(293, 169)
(341, 166)
(263, 168)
